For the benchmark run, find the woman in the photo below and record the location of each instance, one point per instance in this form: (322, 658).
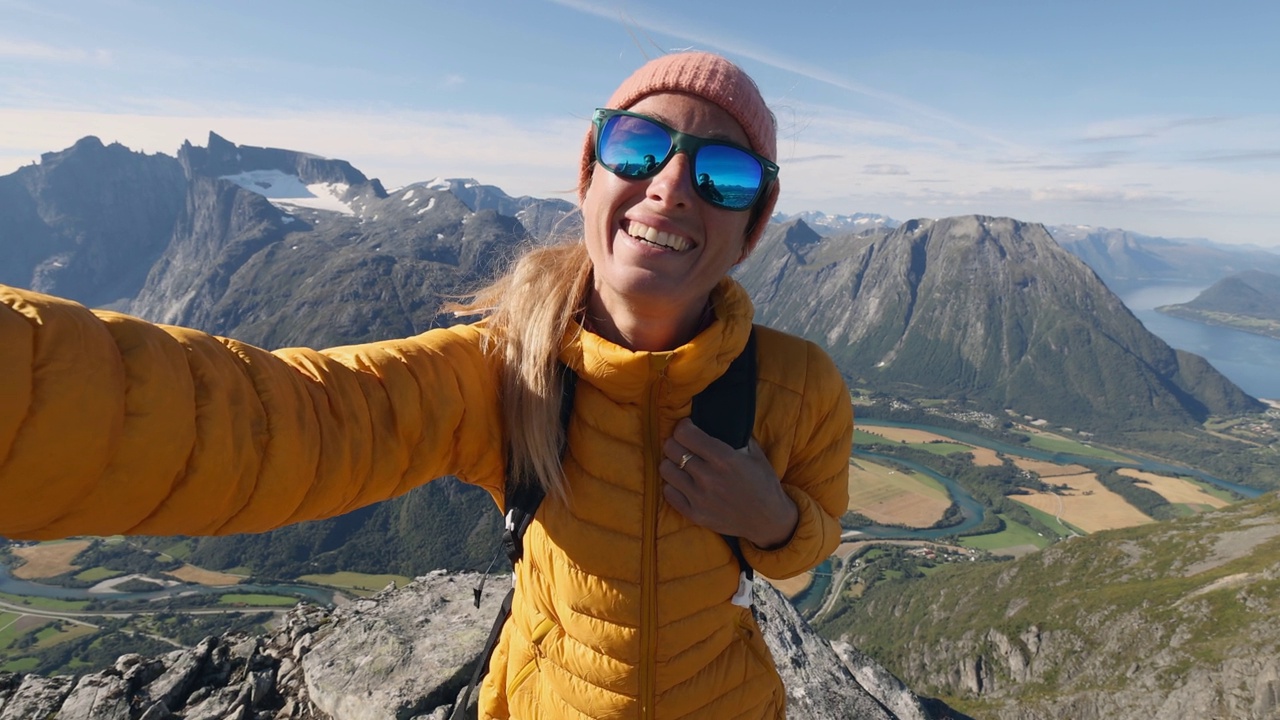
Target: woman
(624, 601)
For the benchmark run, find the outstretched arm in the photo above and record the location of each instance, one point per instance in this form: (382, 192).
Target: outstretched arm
(109, 424)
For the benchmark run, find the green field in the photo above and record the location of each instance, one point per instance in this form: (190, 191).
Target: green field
(256, 600)
(44, 603)
(21, 665)
(861, 437)
(1014, 534)
(1210, 488)
(1071, 447)
(1062, 528)
(359, 582)
(8, 628)
(97, 573)
(179, 550)
(50, 635)
(941, 448)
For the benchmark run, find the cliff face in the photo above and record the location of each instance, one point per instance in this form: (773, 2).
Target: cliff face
(989, 309)
(87, 222)
(403, 654)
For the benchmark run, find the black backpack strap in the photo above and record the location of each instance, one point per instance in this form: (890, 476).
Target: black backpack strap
(521, 498)
(482, 663)
(726, 410)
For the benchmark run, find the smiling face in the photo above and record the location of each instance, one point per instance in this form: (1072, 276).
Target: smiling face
(657, 248)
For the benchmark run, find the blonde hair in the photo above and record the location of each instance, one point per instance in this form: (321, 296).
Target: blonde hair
(528, 311)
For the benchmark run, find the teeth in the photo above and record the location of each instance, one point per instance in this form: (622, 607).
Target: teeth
(641, 231)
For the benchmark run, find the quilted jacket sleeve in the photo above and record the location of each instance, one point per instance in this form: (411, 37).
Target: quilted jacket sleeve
(816, 474)
(109, 424)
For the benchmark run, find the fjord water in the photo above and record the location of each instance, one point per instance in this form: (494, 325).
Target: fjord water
(1250, 361)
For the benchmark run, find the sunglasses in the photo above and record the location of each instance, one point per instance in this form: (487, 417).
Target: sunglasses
(636, 147)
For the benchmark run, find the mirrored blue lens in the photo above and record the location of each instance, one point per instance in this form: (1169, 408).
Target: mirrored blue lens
(727, 176)
(633, 147)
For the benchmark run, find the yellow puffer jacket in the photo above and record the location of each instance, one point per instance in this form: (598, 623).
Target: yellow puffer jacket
(112, 425)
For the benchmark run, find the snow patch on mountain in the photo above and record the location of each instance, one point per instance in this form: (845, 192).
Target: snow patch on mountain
(285, 191)
(826, 224)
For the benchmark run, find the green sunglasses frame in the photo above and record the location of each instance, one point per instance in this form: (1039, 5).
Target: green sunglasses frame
(689, 145)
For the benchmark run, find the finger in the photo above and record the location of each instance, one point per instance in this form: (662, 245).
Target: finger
(674, 451)
(677, 499)
(700, 443)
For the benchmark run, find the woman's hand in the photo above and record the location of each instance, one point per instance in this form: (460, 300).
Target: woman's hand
(733, 492)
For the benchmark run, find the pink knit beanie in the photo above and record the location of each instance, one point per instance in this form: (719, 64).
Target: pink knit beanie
(710, 77)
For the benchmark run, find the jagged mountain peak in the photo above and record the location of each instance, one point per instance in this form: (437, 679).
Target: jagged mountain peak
(87, 221)
(477, 196)
(798, 233)
(223, 158)
(87, 151)
(825, 224)
(443, 183)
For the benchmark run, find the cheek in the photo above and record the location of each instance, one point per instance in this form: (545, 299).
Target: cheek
(733, 232)
(597, 212)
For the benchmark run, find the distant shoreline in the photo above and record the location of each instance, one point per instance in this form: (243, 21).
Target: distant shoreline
(1244, 323)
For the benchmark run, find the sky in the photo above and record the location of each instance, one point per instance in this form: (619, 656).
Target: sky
(1162, 118)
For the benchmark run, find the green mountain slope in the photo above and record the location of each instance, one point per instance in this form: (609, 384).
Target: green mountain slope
(1175, 619)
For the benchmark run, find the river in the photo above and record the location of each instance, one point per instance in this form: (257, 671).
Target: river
(1250, 361)
(973, 511)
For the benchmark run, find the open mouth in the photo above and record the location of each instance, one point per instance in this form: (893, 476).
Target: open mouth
(653, 236)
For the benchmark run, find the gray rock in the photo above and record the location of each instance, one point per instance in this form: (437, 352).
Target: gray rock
(407, 653)
(896, 697)
(156, 711)
(182, 669)
(819, 683)
(37, 698)
(403, 653)
(219, 704)
(9, 683)
(104, 696)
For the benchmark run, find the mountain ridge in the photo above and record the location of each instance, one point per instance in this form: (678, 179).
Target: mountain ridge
(975, 311)
(985, 309)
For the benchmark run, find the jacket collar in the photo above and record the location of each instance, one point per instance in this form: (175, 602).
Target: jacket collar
(625, 375)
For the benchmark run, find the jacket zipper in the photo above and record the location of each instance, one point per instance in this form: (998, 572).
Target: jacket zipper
(649, 546)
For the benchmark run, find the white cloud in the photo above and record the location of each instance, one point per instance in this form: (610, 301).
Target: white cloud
(1081, 193)
(885, 169)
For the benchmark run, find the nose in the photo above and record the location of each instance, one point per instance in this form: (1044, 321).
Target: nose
(672, 185)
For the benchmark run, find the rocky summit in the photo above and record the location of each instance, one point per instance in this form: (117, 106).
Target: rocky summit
(401, 654)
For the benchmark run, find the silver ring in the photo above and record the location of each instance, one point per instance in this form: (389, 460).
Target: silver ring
(684, 460)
